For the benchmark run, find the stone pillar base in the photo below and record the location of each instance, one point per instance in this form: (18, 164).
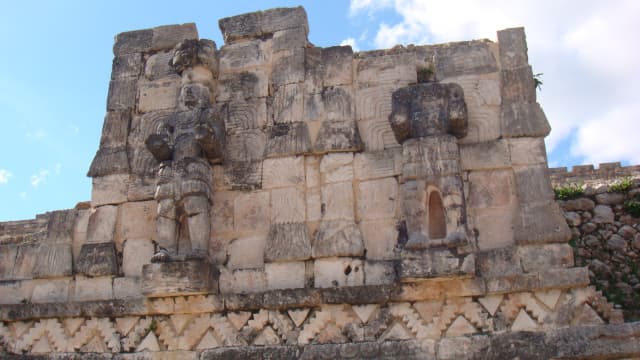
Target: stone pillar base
(178, 278)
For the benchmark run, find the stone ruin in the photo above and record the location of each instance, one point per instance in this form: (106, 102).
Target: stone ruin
(273, 199)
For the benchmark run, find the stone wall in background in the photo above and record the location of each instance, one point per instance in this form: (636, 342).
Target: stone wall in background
(604, 219)
(301, 202)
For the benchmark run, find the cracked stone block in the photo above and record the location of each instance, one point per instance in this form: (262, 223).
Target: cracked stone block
(473, 57)
(97, 259)
(127, 288)
(159, 66)
(135, 254)
(177, 278)
(283, 172)
(247, 252)
(337, 64)
(242, 281)
(287, 205)
(122, 94)
(521, 119)
(527, 151)
(288, 242)
(251, 211)
(377, 199)
(168, 36)
(337, 201)
(244, 55)
(133, 41)
(159, 94)
(245, 84)
(53, 260)
(545, 257)
(338, 136)
(379, 164)
(126, 66)
(380, 238)
(485, 156)
(51, 291)
(518, 85)
(285, 275)
(389, 68)
(256, 24)
(336, 167)
(337, 238)
(513, 48)
(338, 272)
(379, 273)
(287, 139)
(93, 289)
(491, 188)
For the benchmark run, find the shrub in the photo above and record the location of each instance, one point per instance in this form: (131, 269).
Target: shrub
(568, 192)
(632, 207)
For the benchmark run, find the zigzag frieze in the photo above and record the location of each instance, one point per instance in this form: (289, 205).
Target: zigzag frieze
(328, 323)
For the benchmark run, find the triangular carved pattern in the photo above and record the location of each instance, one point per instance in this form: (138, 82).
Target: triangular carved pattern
(49, 328)
(597, 302)
(327, 315)
(511, 307)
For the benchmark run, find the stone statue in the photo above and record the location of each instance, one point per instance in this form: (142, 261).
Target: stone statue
(186, 145)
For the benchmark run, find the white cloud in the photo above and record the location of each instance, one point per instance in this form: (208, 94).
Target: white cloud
(4, 176)
(39, 178)
(23, 195)
(586, 50)
(351, 42)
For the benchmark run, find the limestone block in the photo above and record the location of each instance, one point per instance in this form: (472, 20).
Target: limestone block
(338, 136)
(247, 252)
(602, 214)
(312, 171)
(243, 175)
(159, 66)
(141, 188)
(337, 238)
(16, 292)
(336, 167)
(337, 103)
(92, 289)
(109, 161)
(380, 238)
(51, 291)
(338, 272)
(287, 139)
(288, 67)
(242, 281)
(379, 273)
(79, 232)
(379, 164)
(287, 205)
(53, 260)
(283, 172)
(244, 55)
(251, 211)
(524, 120)
(288, 242)
(513, 48)
(136, 220)
(246, 114)
(286, 105)
(491, 188)
(289, 39)
(102, 223)
(377, 199)
(168, 36)
(127, 288)
(545, 257)
(564, 278)
(388, 68)
(527, 151)
(285, 275)
(474, 57)
(337, 201)
(313, 106)
(518, 85)
(115, 129)
(242, 85)
(177, 278)
(7, 260)
(485, 156)
(314, 204)
(135, 254)
(436, 264)
(245, 145)
(429, 157)
(110, 189)
(97, 259)
(122, 94)
(495, 227)
(483, 99)
(133, 41)
(256, 24)
(126, 66)
(377, 135)
(222, 211)
(533, 184)
(374, 102)
(159, 94)
(337, 65)
(498, 262)
(542, 223)
(60, 227)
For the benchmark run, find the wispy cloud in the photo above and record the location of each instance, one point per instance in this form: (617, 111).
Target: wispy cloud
(370, 6)
(23, 195)
(351, 42)
(36, 135)
(4, 176)
(39, 178)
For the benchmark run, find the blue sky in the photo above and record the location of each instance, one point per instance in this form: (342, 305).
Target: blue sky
(57, 60)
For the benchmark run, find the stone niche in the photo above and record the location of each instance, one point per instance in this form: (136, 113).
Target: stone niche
(273, 199)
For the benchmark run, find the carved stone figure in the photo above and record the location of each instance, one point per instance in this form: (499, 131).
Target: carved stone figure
(186, 145)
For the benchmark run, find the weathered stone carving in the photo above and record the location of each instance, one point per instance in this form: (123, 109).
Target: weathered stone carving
(186, 145)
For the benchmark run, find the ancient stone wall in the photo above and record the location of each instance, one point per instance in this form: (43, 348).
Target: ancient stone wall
(605, 223)
(275, 199)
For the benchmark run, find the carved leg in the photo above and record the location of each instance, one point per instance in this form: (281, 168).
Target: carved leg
(166, 228)
(196, 207)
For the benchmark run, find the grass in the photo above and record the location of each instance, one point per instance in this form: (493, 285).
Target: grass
(622, 185)
(569, 191)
